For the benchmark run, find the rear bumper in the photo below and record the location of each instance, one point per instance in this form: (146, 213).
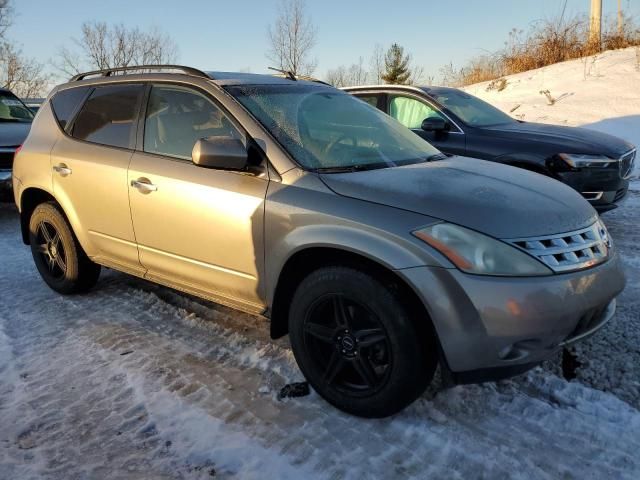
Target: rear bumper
(493, 324)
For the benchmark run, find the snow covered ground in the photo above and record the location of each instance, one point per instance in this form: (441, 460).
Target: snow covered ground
(136, 381)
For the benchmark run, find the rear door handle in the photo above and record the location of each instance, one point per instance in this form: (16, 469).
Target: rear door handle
(143, 185)
(62, 169)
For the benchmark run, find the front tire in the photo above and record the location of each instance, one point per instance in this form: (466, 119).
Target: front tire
(356, 343)
(58, 256)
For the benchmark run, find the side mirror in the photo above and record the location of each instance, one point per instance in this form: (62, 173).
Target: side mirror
(435, 124)
(223, 153)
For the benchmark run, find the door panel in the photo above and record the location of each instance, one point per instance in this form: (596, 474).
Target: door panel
(197, 227)
(90, 179)
(411, 112)
(200, 227)
(96, 191)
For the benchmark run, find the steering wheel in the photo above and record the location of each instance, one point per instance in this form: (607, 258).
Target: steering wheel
(335, 143)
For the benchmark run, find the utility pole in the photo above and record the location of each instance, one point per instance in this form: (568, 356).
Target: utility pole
(620, 18)
(595, 24)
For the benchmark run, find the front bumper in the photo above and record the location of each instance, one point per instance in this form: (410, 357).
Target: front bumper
(491, 324)
(602, 188)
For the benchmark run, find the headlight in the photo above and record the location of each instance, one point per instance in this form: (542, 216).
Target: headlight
(576, 160)
(473, 252)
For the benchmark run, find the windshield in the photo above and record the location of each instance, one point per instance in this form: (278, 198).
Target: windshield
(471, 110)
(13, 110)
(326, 129)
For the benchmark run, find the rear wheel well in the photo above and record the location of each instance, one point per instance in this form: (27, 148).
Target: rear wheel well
(30, 199)
(306, 261)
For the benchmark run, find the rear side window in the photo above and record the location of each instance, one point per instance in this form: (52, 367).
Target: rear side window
(370, 99)
(66, 102)
(109, 115)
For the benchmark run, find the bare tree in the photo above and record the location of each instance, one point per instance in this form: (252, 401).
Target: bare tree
(377, 64)
(23, 76)
(418, 76)
(6, 16)
(292, 38)
(103, 46)
(351, 76)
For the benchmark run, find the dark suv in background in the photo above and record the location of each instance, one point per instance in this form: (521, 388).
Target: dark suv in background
(595, 164)
(15, 122)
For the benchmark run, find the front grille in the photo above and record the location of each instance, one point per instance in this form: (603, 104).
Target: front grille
(626, 164)
(569, 251)
(6, 158)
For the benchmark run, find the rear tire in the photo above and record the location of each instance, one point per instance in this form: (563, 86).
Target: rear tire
(356, 343)
(58, 256)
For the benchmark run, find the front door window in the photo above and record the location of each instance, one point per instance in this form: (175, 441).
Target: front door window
(411, 112)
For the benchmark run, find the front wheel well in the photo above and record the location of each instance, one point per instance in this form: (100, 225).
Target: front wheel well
(306, 261)
(30, 199)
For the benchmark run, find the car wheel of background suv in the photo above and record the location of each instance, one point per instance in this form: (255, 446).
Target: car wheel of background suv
(356, 343)
(58, 256)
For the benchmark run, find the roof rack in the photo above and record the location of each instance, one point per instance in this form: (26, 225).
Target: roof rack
(107, 72)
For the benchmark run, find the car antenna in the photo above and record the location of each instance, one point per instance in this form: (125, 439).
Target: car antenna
(288, 73)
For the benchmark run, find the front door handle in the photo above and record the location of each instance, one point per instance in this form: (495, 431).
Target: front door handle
(62, 169)
(143, 185)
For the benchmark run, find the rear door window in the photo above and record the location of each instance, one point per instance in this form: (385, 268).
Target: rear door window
(373, 100)
(66, 103)
(109, 116)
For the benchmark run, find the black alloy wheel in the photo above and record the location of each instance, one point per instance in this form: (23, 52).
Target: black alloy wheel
(348, 341)
(59, 257)
(359, 341)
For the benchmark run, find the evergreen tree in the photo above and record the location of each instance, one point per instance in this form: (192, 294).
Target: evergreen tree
(396, 64)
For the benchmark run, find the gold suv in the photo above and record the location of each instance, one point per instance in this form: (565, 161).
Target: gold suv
(378, 255)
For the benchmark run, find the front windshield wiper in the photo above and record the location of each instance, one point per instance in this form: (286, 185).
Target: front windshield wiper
(374, 166)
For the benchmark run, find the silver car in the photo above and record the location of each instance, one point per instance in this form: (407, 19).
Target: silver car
(380, 257)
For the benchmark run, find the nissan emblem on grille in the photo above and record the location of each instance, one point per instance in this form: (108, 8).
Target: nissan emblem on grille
(569, 251)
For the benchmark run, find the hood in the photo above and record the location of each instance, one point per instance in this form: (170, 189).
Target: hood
(498, 200)
(13, 134)
(571, 139)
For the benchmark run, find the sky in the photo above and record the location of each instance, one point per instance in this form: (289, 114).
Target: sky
(232, 35)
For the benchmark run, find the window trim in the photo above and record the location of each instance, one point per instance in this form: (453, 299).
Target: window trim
(139, 143)
(132, 140)
(74, 113)
(419, 98)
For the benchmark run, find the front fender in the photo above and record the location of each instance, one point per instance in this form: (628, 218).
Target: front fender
(528, 161)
